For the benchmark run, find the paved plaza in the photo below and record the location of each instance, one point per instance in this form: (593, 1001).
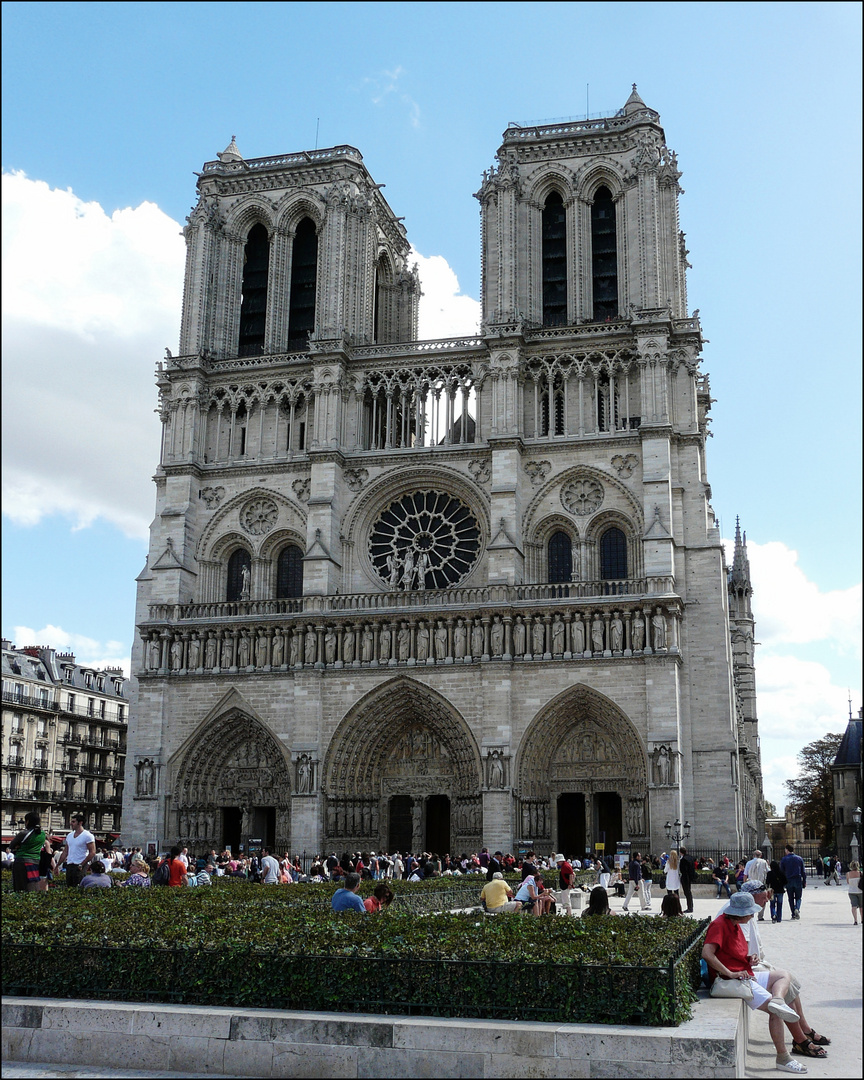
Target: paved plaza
(823, 949)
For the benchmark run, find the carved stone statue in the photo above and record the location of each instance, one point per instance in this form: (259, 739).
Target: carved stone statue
(294, 649)
(310, 645)
(597, 634)
(394, 569)
(153, 654)
(243, 650)
(635, 817)
(557, 637)
(278, 651)
(637, 632)
(422, 642)
(658, 629)
(176, 654)
(519, 637)
(146, 777)
(663, 763)
(228, 651)
(440, 641)
(408, 569)
(578, 632)
(497, 636)
(348, 645)
(617, 633)
(496, 769)
(194, 652)
(460, 639)
(210, 651)
(261, 650)
(368, 642)
(422, 570)
(304, 775)
(384, 643)
(330, 645)
(244, 579)
(403, 642)
(538, 637)
(477, 639)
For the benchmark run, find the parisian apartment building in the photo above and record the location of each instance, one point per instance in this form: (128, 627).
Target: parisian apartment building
(64, 741)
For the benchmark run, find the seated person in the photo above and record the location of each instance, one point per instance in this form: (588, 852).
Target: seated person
(598, 903)
(382, 897)
(670, 906)
(139, 874)
(774, 992)
(203, 877)
(530, 895)
(96, 878)
(497, 896)
(346, 898)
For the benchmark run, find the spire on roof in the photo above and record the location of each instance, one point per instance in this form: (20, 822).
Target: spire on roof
(740, 575)
(231, 153)
(634, 102)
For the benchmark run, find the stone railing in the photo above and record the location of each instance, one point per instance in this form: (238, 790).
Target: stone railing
(416, 348)
(618, 120)
(539, 629)
(407, 600)
(305, 157)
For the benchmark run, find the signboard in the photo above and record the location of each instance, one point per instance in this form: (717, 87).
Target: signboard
(599, 847)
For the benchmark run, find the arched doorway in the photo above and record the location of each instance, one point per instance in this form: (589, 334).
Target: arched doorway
(231, 782)
(582, 776)
(403, 771)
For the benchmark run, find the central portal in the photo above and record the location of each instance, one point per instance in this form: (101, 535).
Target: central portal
(438, 824)
(571, 824)
(401, 826)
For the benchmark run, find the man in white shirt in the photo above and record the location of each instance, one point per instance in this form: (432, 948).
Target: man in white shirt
(757, 870)
(184, 857)
(269, 869)
(79, 850)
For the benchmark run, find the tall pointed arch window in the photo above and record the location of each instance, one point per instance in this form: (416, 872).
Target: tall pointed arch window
(604, 256)
(304, 275)
(289, 572)
(253, 301)
(238, 582)
(613, 555)
(554, 261)
(379, 315)
(560, 557)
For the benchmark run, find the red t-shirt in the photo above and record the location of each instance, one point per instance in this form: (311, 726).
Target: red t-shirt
(731, 944)
(372, 904)
(565, 869)
(177, 872)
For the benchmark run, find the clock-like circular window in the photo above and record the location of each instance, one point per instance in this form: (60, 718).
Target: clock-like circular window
(426, 540)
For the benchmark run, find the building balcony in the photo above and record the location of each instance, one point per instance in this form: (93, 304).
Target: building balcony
(27, 702)
(83, 710)
(70, 767)
(571, 621)
(72, 740)
(14, 763)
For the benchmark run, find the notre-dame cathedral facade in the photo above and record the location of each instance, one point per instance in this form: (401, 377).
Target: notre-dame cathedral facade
(430, 595)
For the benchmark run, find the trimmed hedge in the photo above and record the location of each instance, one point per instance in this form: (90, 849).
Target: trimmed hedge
(240, 944)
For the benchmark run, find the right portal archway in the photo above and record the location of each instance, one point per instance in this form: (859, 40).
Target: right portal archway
(582, 776)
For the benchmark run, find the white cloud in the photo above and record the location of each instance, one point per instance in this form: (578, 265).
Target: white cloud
(444, 311)
(88, 651)
(386, 83)
(89, 303)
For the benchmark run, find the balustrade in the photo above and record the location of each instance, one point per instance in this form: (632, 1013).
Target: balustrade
(532, 623)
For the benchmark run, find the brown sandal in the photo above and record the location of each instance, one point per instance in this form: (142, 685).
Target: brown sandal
(818, 1040)
(808, 1049)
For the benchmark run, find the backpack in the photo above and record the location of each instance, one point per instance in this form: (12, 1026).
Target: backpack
(163, 873)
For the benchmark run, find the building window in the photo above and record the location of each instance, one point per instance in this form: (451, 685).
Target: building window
(102, 709)
(70, 703)
(604, 256)
(253, 302)
(613, 555)
(239, 560)
(841, 819)
(91, 706)
(554, 261)
(41, 729)
(289, 572)
(560, 557)
(304, 273)
(121, 712)
(17, 724)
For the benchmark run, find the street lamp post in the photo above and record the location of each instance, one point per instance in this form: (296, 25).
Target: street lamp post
(856, 828)
(674, 833)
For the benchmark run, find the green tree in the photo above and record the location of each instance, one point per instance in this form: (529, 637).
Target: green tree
(769, 808)
(812, 793)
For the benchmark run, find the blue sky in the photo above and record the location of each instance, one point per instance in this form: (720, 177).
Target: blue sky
(109, 108)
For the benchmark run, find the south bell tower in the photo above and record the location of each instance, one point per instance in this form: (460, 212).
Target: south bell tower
(439, 594)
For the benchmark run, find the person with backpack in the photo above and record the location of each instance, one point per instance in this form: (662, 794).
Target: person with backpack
(172, 869)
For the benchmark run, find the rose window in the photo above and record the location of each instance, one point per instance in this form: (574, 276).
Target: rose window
(259, 516)
(582, 497)
(426, 540)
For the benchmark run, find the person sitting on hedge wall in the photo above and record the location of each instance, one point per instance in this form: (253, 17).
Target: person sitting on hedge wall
(346, 898)
(139, 874)
(497, 896)
(382, 897)
(598, 903)
(97, 878)
(670, 906)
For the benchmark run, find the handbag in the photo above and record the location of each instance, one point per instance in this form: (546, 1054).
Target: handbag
(731, 988)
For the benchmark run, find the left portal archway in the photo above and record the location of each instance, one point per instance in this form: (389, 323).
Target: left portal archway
(232, 773)
(403, 771)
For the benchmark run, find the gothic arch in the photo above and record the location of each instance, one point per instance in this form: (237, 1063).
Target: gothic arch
(211, 545)
(581, 736)
(375, 727)
(550, 179)
(295, 207)
(249, 212)
(631, 510)
(599, 174)
(231, 760)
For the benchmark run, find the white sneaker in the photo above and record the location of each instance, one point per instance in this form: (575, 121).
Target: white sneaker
(778, 1007)
(792, 1066)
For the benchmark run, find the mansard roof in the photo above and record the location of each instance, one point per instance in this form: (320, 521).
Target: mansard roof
(849, 752)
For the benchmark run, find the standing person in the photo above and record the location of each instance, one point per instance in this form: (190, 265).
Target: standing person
(270, 868)
(792, 866)
(836, 868)
(826, 870)
(756, 869)
(79, 850)
(646, 883)
(27, 846)
(566, 877)
(776, 882)
(853, 884)
(673, 873)
(176, 867)
(687, 873)
(634, 872)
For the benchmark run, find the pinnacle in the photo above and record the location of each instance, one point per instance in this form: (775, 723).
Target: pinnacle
(634, 102)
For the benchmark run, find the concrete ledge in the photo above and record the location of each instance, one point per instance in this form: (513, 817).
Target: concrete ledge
(259, 1042)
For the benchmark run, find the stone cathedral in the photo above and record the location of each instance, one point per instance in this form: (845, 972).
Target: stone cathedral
(432, 595)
